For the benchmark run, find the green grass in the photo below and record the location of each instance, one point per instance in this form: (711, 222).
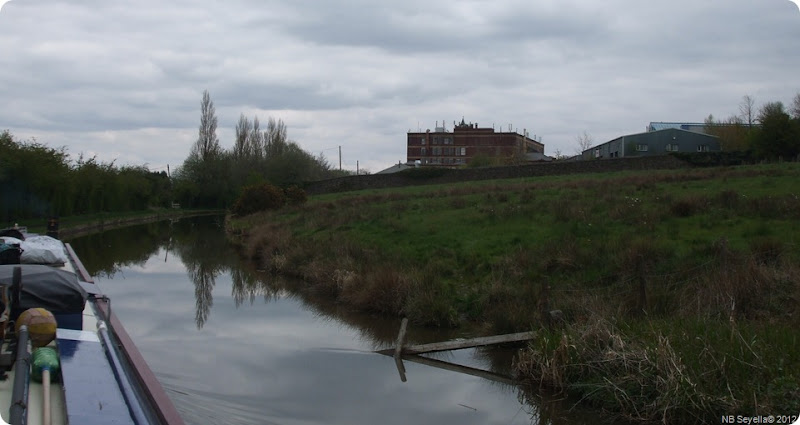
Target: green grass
(696, 266)
(468, 231)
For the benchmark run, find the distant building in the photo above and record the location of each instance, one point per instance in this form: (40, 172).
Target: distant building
(396, 168)
(656, 142)
(537, 157)
(697, 127)
(441, 148)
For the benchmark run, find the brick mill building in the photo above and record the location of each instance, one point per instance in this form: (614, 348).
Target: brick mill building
(441, 148)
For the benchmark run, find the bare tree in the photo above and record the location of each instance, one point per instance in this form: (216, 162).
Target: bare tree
(796, 106)
(585, 141)
(243, 131)
(207, 145)
(249, 138)
(256, 139)
(274, 138)
(747, 109)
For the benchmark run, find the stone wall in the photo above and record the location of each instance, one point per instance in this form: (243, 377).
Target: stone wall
(424, 176)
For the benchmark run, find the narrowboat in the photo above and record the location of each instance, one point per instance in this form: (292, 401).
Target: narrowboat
(57, 326)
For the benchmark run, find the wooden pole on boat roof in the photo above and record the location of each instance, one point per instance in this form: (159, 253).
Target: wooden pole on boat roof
(18, 412)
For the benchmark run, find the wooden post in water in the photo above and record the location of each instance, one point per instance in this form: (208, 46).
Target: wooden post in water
(401, 349)
(398, 349)
(411, 352)
(401, 338)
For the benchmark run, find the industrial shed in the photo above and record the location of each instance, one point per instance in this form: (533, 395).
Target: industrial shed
(659, 142)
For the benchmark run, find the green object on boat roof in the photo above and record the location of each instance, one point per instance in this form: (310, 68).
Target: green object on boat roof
(44, 358)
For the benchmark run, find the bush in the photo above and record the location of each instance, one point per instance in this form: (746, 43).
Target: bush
(257, 198)
(295, 195)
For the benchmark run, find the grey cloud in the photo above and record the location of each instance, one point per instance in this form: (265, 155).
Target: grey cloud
(472, 30)
(558, 68)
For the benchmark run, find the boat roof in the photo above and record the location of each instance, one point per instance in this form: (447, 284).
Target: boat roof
(103, 378)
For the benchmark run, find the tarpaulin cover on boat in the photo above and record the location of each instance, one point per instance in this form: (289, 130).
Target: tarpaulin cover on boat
(44, 286)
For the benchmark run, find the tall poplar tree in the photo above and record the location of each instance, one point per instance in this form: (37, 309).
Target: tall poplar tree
(207, 145)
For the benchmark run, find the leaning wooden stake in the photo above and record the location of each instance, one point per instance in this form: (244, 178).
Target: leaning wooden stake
(401, 338)
(398, 349)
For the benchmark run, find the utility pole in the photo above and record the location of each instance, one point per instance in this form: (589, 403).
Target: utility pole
(340, 157)
(356, 167)
(171, 194)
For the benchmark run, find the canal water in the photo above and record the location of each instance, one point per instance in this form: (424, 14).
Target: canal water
(231, 345)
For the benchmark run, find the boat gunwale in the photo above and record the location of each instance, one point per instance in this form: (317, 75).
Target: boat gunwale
(159, 401)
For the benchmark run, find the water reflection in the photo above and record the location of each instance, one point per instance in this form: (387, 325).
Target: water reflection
(198, 243)
(109, 252)
(247, 286)
(267, 353)
(205, 255)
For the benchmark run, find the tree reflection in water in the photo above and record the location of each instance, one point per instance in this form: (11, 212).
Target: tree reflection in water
(247, 285)
(106, 253)
(205, 253)
(200, 245)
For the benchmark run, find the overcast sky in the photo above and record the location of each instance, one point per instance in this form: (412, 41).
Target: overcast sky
(123, 80)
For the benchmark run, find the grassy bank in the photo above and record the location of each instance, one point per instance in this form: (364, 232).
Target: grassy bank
(645, 286)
